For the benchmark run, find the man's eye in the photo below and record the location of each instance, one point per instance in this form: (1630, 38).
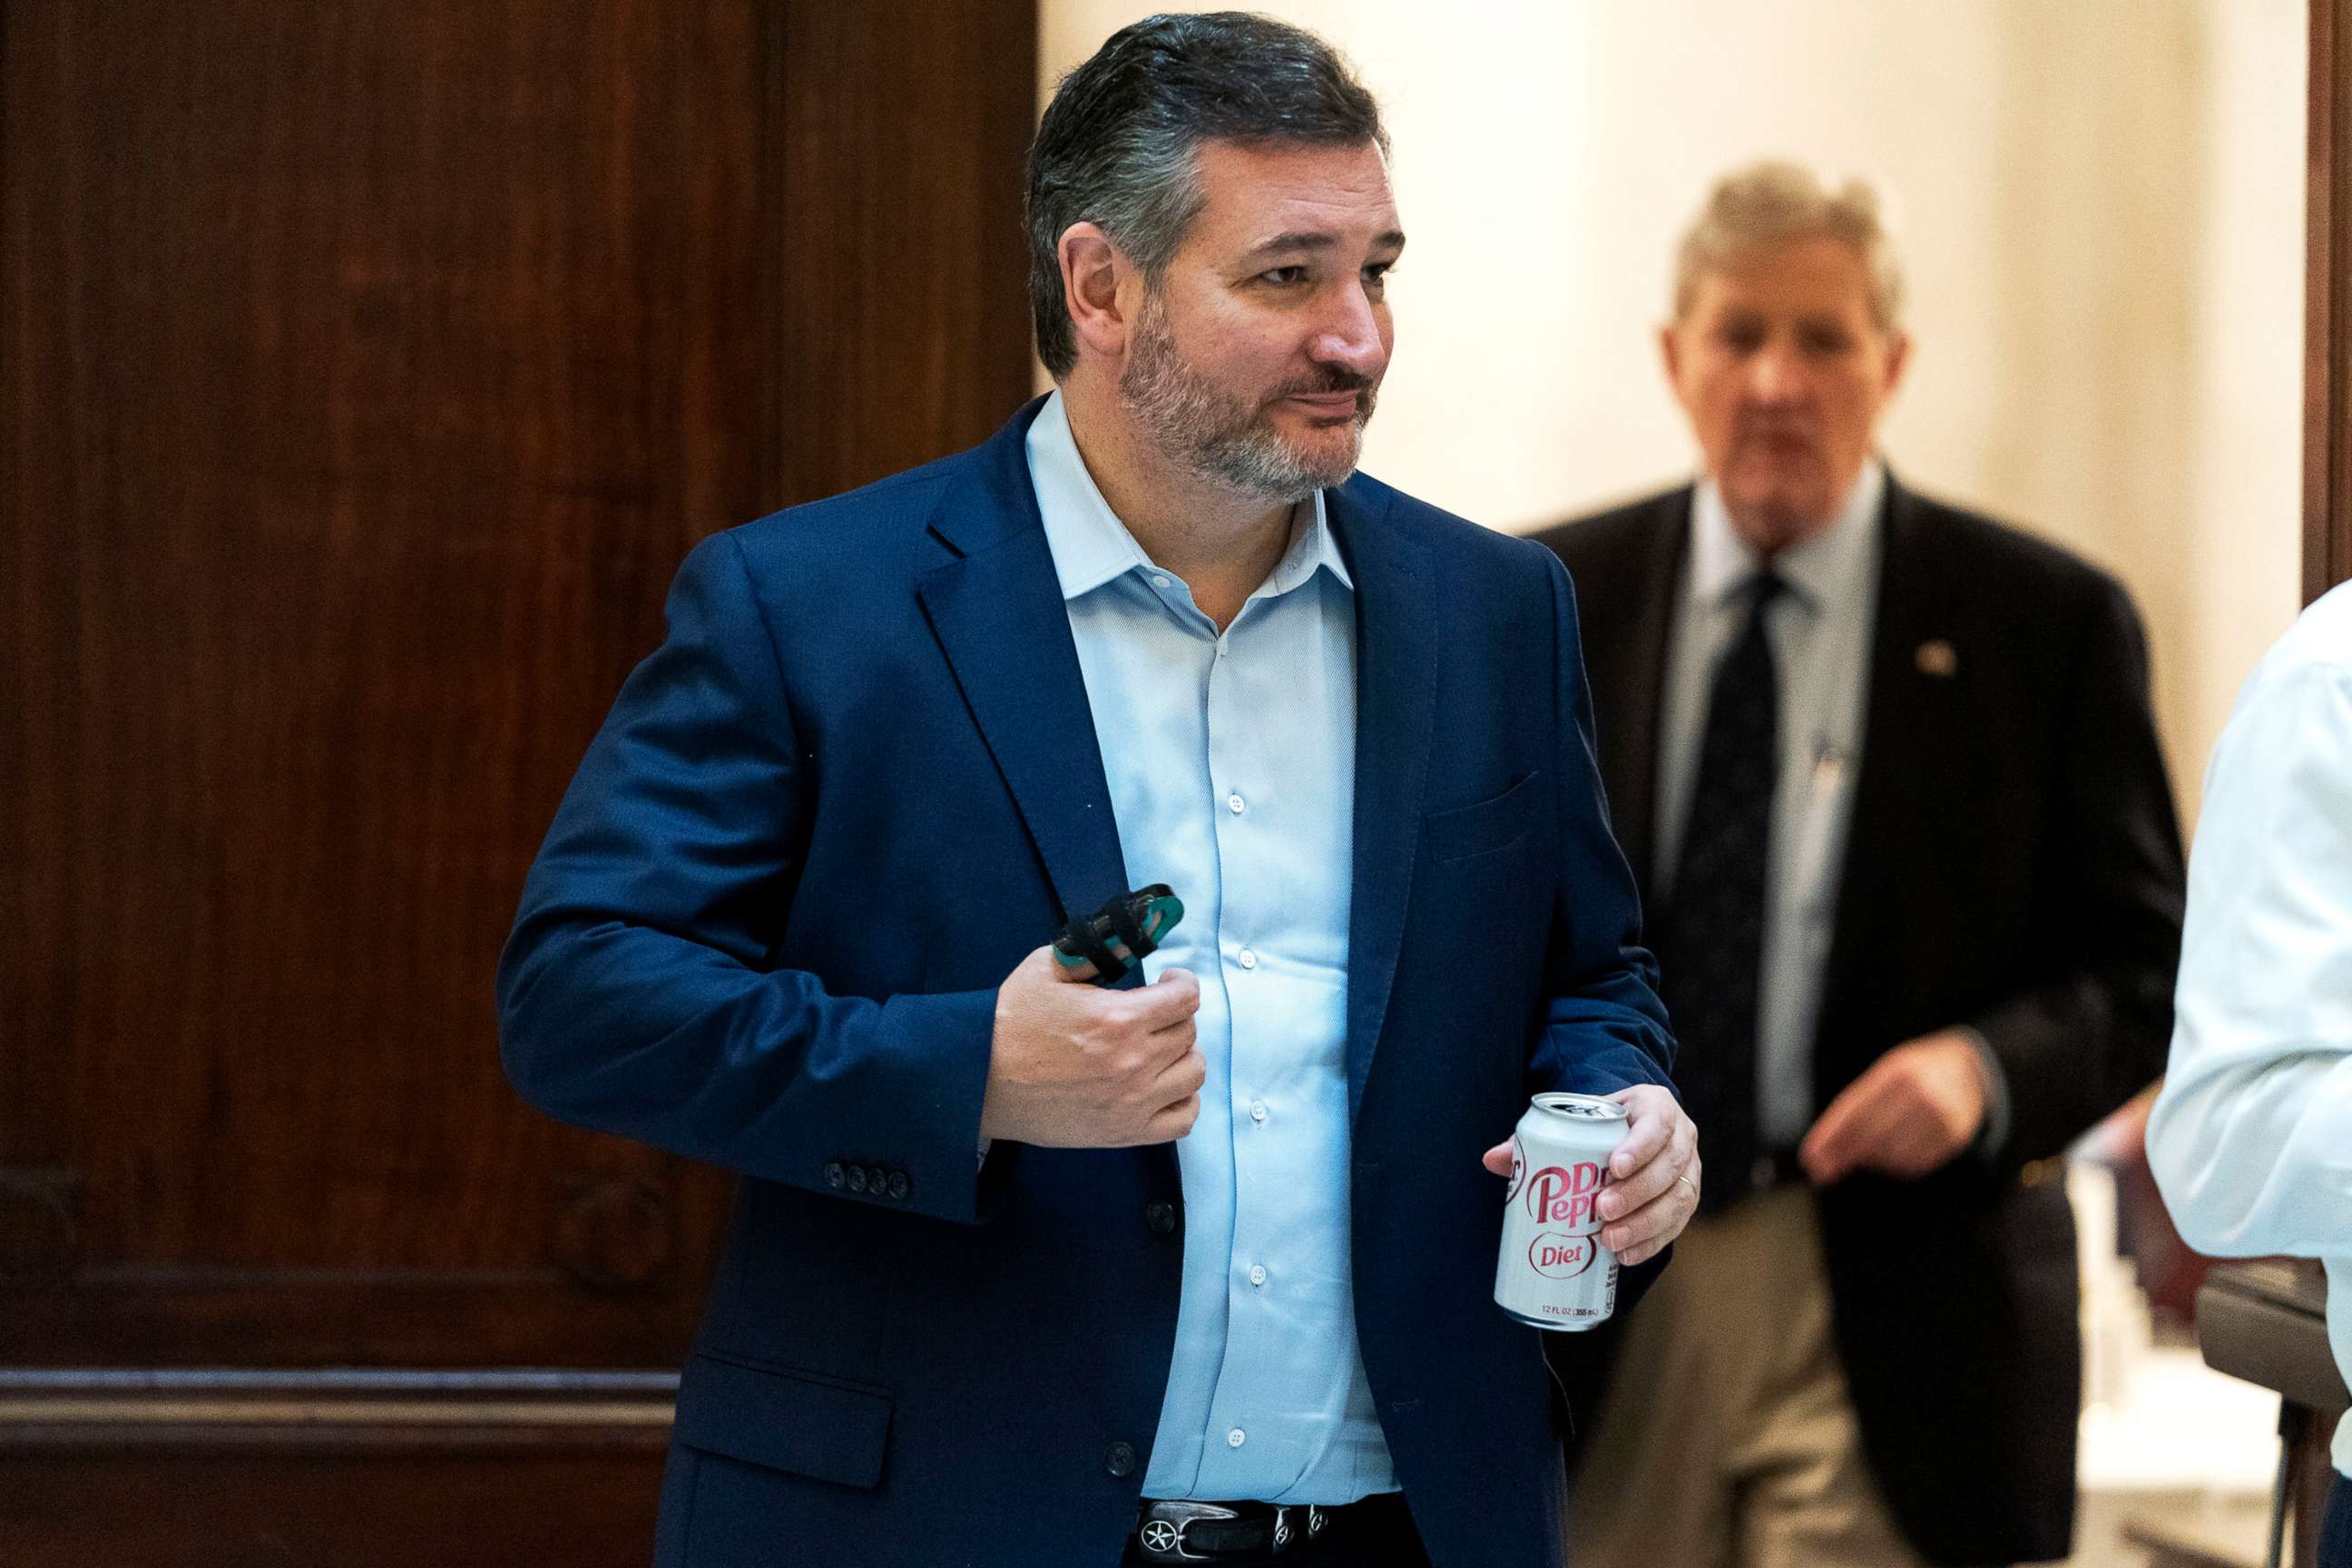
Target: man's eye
(1282, 276)
(1376, 277)
(1824, 341)
(1741, 339)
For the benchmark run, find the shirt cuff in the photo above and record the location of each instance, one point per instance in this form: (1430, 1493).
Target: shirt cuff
(1994, 1133)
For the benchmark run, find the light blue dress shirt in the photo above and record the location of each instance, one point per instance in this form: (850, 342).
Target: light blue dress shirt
(1231, 761)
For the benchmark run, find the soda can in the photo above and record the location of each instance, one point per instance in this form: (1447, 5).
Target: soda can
(1553, 1272)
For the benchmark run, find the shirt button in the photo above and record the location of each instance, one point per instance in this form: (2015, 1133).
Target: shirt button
(1233, 804)
(1161, 1217)
(1258, 1273)
(1120, 1459)
(1257, 1110)
(1248, 958)
(1236, 1438)
(1158, 581)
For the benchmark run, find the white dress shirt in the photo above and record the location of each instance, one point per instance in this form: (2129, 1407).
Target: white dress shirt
(2251, 1137)
(1821, 635)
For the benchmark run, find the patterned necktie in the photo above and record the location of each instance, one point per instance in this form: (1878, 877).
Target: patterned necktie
(1710, 936)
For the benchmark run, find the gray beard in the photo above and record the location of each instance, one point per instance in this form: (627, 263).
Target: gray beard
(1218, 437)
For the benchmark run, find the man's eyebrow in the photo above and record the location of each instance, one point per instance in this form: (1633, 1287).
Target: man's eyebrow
(1296, 240)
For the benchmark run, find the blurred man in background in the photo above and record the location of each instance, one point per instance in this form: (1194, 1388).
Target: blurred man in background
(2252, 1138)
(1889, 780)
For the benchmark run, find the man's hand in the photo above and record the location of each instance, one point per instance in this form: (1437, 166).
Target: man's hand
(1073, 1066)
(1914, 1109)
(1654, 1175)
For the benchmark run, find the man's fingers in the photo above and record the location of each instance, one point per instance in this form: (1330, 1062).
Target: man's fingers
(1497, 1159)
(1648, 1129)
(1645, 1230)
(1824, 1152)
(1650, 1205)
(1624, 1194)
(1865, 1117)
(1172, 998)
(1172, 1122)
(1913, 1145)
(1181, 1079)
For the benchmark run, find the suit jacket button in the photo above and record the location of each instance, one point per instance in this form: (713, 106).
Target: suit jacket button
(877, 1180)
(900, 1186)
(834, 1175)
(856, 1178)
(1120, 1459)
(1161, 1217)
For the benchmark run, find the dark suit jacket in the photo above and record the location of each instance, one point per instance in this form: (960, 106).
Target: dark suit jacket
(2013, 864)
(857, 783)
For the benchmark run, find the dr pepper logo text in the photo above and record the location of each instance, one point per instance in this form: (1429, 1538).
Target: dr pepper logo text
(1564, 1194)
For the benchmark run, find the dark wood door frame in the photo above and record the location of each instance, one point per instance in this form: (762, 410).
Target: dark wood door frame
(2327, 303)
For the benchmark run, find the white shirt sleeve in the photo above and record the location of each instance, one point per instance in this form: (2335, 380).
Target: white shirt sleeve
(2250, 1140)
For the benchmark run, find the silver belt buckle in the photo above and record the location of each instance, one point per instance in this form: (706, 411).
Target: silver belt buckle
(1162, 1534)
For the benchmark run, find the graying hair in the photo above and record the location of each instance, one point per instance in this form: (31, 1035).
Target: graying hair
(1118, 146)
(1776, 201)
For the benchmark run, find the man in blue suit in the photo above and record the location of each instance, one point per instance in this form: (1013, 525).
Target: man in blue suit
(1026, 1272)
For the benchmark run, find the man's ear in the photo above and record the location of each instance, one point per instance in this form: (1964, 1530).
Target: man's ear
(1898, 360)
(1672, 351)
(1092, 268)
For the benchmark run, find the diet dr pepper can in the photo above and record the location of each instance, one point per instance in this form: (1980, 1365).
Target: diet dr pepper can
(1553, 1271)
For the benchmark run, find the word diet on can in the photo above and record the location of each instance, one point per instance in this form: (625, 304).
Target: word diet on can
(1553, 1271)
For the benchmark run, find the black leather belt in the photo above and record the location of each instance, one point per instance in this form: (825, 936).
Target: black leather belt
(1186, 1531)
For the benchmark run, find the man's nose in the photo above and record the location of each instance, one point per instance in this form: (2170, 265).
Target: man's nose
(1774, 375)
(1349, 334)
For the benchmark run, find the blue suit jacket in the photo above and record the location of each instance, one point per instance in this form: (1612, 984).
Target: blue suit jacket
(855, 784)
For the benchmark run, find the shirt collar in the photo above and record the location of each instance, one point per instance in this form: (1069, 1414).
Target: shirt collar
(1091, 546)
(1821, 570)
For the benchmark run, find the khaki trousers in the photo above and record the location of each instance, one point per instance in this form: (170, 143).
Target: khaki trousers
(1728, 1440)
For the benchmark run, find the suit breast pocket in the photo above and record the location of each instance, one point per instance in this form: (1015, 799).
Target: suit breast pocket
(1487, 827)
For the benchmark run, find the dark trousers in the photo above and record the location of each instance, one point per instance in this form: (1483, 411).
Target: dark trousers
(2336, 1533)
(1379, 1535)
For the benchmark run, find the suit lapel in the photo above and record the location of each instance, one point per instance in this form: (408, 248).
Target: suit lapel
(996, 608)
(1629, 679)
(1396, 686)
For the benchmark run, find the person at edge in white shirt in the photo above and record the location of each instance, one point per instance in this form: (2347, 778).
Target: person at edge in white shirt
(2250, 1140)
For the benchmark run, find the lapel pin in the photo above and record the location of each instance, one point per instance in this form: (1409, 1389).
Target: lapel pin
(1937, 658)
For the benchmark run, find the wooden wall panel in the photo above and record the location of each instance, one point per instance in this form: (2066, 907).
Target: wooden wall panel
(371, 366)
(365, 369)
(904, 204)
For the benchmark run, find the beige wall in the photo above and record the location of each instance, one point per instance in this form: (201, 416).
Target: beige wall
(2102, 205)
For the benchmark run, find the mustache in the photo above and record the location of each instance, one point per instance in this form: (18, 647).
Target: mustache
(1773, 429)
(1330, 379)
